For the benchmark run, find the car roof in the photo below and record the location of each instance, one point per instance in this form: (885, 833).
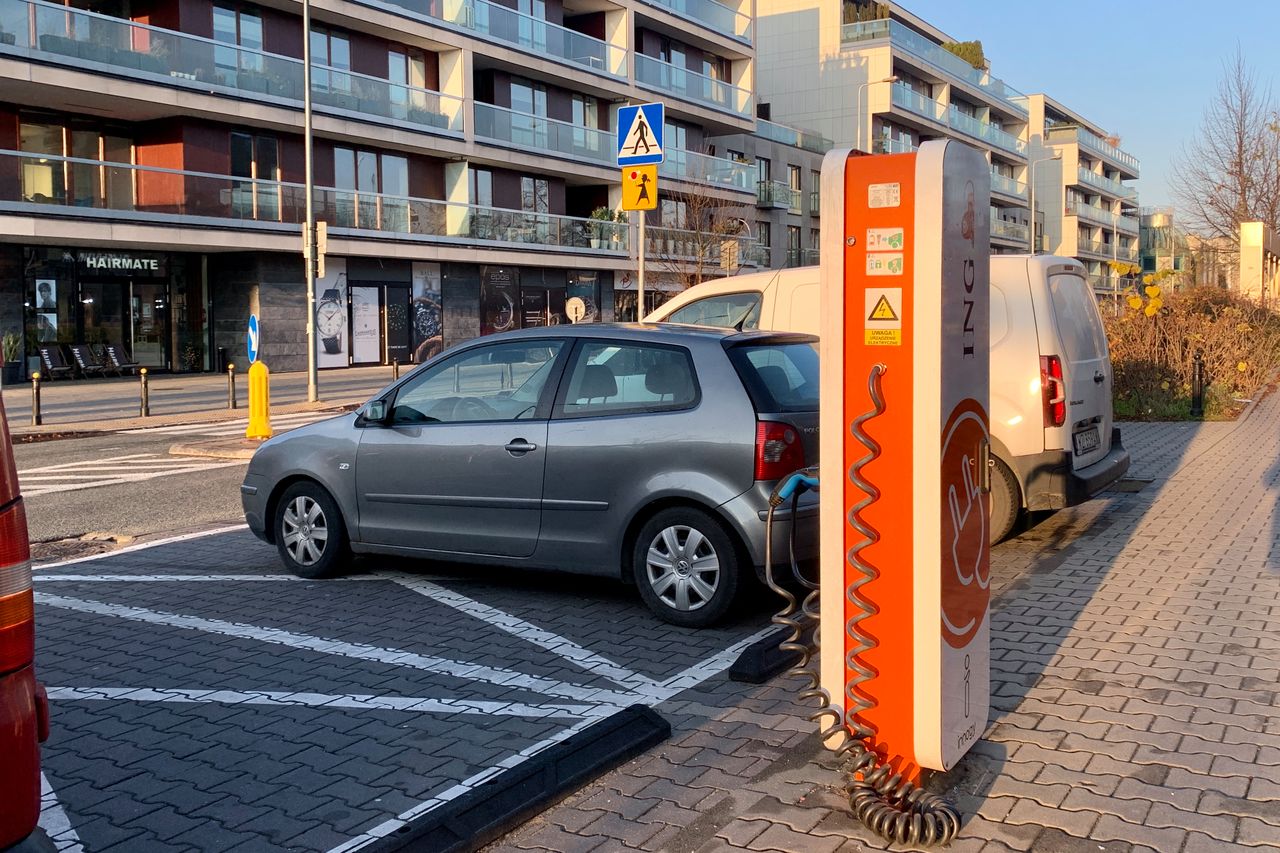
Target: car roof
(669, 333)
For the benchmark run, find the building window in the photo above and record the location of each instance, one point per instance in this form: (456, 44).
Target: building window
(673, 213)
(407, 71)
(815, 194)
(371, 190)
(258, 159)
(535, 195)
(586, 119)
(764, 169)
(764, 236)
(482, 187)
(793, 246)
(794, 178)
(331, 55)
(239, 36)
(83, 184)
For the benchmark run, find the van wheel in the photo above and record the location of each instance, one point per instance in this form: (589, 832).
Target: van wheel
(309, 532)
(686, 567)
(1006, 500)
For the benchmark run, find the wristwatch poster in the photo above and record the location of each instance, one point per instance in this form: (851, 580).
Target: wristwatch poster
(331, 320)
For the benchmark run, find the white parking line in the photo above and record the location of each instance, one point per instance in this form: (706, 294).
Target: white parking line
(323, 700)
(111, 471)
(395, 657)
(530, 633)
(195, 578)
(54, 820)
(226, 429)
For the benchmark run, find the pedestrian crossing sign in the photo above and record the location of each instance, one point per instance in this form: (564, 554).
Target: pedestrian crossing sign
(639, 187)
(640, 134)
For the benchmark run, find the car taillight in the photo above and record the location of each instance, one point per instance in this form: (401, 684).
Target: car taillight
(779, 451)
(17, 609)
(1053, 391)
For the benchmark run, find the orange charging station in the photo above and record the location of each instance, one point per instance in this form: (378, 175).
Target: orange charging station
(905, 267)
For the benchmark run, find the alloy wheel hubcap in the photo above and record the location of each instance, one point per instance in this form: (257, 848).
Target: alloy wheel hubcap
(304, 530)
(683, 568)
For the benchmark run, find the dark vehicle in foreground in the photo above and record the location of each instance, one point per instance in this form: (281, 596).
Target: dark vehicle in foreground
(645, 452)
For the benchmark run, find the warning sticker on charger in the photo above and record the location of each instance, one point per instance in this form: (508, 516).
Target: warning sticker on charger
(883, 324)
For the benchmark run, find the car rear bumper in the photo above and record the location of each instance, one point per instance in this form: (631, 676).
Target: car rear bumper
(24, 725)
(253, 498)
(748, 513)
(1050, 483)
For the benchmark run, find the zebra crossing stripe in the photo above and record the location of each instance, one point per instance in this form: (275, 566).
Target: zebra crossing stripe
(112, 471)
(227, 428)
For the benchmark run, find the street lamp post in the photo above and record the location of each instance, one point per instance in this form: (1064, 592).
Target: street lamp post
(1031, 189)
(309, 232)
(892, 78)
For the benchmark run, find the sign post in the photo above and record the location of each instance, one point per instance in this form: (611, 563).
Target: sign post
(640, 129)
(905, 561)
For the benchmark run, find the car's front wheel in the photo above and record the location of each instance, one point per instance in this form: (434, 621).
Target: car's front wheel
(686, 567)
(309, 532)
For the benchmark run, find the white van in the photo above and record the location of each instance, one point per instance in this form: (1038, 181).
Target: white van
(1052, 439)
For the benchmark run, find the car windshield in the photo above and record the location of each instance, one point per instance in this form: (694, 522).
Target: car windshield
(779, 377)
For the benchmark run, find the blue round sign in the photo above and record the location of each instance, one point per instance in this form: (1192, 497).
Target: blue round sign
(253, 338)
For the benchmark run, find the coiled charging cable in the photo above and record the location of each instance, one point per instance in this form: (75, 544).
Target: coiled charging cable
(887, 802)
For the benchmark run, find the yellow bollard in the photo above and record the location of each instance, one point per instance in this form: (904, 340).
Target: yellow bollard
(259, 402)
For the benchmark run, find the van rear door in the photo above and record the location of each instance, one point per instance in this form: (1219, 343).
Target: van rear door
(1086, 368)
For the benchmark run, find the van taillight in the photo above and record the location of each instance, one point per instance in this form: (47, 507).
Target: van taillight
(778, 451)
(17, 609)
(1053, 391)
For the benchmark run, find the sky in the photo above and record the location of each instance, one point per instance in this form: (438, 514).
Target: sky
(1141, 69)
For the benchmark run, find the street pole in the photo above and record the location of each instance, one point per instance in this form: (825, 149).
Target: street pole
(857, 137)
(309, 233)
(1031, 199)
(640, 274)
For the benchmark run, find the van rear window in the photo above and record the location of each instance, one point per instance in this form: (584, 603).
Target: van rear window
(779, 377)
(1079, 324)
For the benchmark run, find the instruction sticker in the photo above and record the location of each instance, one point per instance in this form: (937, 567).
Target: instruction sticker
(883, 324)
(886, 239)
(884, 195)
(884, 263)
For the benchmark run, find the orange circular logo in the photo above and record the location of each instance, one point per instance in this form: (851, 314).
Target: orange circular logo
(966, 569)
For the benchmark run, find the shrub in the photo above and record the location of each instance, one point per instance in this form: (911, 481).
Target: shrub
(969, 51)
(1154, 338)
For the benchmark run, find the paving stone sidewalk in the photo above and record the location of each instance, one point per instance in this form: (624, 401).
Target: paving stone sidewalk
(1135, 660)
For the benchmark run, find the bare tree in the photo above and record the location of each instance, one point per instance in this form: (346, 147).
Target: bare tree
(1231, 172)
(707, 228)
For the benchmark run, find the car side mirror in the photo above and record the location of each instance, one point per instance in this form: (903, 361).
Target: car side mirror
(375, 412)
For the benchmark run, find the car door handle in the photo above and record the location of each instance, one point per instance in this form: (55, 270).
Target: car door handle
(1099, 377)
(519, 445)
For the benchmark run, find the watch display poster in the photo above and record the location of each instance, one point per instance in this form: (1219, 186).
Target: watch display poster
(395, 326)
(332, 332)
(533, 308)
(366, 337)
(586, 286)
(425, 314)
(499, 292)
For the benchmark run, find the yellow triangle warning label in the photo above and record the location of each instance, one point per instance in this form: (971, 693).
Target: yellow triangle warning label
(882, 311)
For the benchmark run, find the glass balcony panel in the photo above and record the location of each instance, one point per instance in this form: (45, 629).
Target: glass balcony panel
(1009, 230)
(539, 133)
(793, 136)
(682, 165)
(543, 37)
(692, 86)
(1008, 186)
(919, 104)
(988, 133)
(1105, 184)
(716, 16)
(692, 246)
(777, 194)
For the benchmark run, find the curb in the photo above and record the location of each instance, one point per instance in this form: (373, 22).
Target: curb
(82, 429)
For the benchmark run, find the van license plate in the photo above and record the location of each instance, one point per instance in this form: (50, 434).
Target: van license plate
(1086, 442)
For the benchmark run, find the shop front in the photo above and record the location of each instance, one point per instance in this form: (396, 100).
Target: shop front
(154, 304)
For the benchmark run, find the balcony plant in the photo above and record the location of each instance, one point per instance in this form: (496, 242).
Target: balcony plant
(11, 345)
(603, 225)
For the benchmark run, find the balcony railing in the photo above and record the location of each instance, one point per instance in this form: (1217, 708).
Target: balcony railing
(539, 133)
(1096, 144)
(1093, 247)
(682, 165)
(1091, 212)
(1008, 186)
(715, 16)
(1105, 184)
(934, 54)
(694, 246)
(36, 183)
(777, 194)
(1127, 224)
(794, 137)
(1004, 229)
(802, 258)
(75, 37)
(894, 146)
(986, 132)
(919, 104)
(692, 86)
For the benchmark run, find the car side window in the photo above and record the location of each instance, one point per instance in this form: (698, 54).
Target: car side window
(610, 378)
(500, 382)
(724, 311)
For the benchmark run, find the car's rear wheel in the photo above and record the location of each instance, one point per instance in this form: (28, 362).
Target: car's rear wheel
(686, 567)
(309, 532)
(1006, 500)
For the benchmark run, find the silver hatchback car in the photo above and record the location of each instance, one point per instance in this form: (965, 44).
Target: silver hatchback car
(645, 452)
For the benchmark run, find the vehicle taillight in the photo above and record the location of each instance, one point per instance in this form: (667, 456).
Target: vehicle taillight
(779, 451)
(17, 610)
(1053, 391)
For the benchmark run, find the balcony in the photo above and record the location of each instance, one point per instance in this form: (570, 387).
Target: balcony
(1127, 225)
(1093, 247)
(691, 86)
(1094, 143)
(1091, 212)
(69, 186)
(86, 40)
(988, 133)
(529, 132)
(1002, 229)
(712, 15)
(1008, 186)
(776, 194)
(696, 247)
(919, 104)
(793, 136)
(681, 165)
(894, 146)
(932, 53)
(1106, 185)
(802, 258)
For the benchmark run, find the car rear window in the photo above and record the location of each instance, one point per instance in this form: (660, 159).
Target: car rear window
(779, 377)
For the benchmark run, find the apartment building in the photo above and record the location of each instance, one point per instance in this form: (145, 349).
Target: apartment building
(151, 167)
(1088, 211)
